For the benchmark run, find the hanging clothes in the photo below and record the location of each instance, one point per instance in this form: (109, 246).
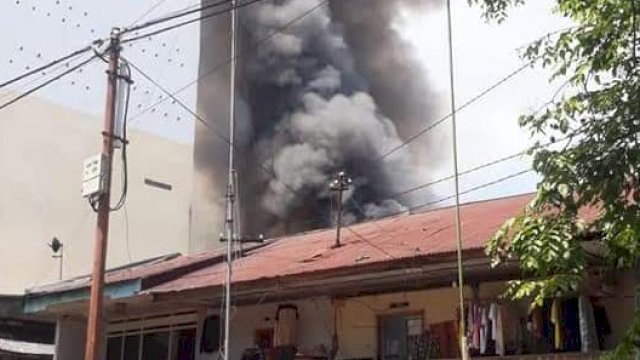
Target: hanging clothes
(476, 327)
(484, 326)
(469, 327)
(588, 335)
(556, 320)
(493, 316)
(499, 337)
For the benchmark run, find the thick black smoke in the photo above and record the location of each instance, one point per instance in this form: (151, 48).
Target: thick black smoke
(334, 91)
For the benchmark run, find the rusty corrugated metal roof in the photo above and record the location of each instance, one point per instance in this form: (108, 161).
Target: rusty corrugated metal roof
(140, 270)
(403, 237)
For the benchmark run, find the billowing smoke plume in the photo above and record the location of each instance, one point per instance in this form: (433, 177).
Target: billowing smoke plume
(334, 91)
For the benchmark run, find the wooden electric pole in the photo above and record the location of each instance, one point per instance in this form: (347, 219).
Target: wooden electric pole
(340, 184)
(94, 323)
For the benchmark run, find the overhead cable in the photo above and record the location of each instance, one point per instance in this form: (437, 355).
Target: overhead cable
(198, 19)
(174, 16)
(46, 66)
(53, 79)
(240, 54)
(461, 107)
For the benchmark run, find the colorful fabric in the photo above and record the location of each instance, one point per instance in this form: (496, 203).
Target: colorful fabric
(556, 319)
(493, 316)
(484, 326)
(499, 333)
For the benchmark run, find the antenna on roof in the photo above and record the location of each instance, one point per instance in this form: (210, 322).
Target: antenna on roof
(340, 184)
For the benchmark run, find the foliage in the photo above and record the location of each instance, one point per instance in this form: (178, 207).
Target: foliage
(596, 165)
(628, 348)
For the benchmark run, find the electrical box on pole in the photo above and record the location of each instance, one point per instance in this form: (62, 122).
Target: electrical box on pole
(93, 175)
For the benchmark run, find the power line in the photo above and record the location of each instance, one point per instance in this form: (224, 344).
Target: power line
(482, 166)
(461, 107)
(200, 18)
(147, 12)
(431, 203)
(269, 172)
(55, 78)
(174, 16)
(204, 122)
(475, 188)
(349, 229)
(179, 102)
(449, 197)
(46, 66)
(240, 54)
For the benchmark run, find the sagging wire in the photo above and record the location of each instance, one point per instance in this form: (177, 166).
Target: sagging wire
(125, 84)
(124, 87)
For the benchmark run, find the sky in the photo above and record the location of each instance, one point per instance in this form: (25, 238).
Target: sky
(484, 53)
(53, 28)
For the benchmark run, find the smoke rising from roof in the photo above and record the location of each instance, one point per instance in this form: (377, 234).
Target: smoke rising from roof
(334, 91)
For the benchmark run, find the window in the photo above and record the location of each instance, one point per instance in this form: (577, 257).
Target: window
(183, 344)
(397, 333)
(211, 335)
(153, 344)
(114, 348)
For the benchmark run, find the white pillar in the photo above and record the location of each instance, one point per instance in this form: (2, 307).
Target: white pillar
(70, 338)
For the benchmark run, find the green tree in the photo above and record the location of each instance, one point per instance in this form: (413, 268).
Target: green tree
(596, 163)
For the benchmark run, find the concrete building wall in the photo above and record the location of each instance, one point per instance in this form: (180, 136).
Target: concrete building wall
(314, 327)
(357, 317)
(42, 148)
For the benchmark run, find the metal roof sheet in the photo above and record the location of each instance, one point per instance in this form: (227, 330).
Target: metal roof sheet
(138, 270)
(407, 236)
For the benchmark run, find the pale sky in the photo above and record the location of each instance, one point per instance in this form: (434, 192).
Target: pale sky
(34, 32)
(52, 28)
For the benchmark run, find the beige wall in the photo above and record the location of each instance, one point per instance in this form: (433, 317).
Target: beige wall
(357, 317)
(42, 148)
(314, 326)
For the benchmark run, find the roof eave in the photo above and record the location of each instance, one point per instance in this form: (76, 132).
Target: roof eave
(37, 303)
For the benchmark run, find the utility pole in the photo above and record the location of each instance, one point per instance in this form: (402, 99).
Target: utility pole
(231, 192)
(94, 324)
(340, 184)
(464, 349)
